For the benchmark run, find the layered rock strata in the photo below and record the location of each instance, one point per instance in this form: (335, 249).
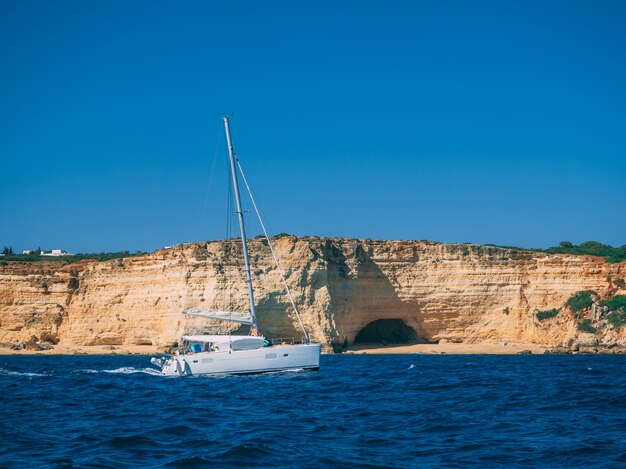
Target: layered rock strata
(454, 292)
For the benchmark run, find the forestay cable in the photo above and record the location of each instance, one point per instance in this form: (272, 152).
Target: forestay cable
(280, 269)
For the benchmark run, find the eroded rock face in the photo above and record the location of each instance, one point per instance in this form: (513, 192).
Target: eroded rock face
(34, 299)
(459, 293)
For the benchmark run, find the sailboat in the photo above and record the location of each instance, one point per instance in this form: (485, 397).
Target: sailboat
(240, 354)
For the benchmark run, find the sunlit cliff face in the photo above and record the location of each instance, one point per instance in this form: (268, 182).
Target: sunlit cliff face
(464, 293)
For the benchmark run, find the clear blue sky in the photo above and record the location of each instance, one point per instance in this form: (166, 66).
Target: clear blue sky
(489, 121)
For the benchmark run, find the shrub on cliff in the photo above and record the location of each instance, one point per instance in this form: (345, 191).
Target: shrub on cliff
(615, 303)
(551, 313)
(617, 319)
(586, 326)
(580, 300)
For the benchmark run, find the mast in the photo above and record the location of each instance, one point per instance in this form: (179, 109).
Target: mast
(242, 227)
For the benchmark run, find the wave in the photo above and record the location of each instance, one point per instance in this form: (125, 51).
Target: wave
(243, 452)
(131, 441)
(125, 370)
(4, 372)
(226, 375)
(129, 370)
(191, 461)
(291, 370)
(282, 372)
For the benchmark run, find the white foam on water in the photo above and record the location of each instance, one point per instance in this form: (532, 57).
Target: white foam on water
(19, 373)
(412, 366)
(125, 370)
(279, 372)
(250, 375)
(128, 370)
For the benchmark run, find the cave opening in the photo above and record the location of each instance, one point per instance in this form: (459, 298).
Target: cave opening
(387, 331)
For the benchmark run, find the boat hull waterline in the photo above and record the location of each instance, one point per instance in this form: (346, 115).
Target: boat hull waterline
(227, 362)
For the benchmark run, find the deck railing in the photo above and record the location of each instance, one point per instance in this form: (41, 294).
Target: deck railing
(274, 341)
(286, 340)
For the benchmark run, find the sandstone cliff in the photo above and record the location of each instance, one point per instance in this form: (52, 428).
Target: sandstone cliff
(456, 292)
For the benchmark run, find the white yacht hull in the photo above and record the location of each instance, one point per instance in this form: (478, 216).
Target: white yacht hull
(260, 360)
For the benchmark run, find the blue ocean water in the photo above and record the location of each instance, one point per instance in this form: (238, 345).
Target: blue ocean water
(358, 410)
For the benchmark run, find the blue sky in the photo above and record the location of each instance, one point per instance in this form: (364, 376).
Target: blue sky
(489, 122)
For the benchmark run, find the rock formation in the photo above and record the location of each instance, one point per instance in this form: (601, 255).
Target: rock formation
(456, 292)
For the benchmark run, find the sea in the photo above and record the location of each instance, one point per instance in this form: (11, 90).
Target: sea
(356, 411)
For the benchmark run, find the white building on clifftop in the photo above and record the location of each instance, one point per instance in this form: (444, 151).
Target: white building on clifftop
(56, 253)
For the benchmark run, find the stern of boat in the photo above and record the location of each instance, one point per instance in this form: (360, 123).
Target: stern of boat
(168, 366)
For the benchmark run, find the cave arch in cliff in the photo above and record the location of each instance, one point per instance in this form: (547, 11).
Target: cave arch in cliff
(390, 331)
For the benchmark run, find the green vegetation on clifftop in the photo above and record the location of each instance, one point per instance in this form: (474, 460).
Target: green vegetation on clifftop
(590, 248)
(102, 256)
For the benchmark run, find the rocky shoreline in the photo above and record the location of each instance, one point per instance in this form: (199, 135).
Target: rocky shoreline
(588, 344)
(597, 350)
(31, 346)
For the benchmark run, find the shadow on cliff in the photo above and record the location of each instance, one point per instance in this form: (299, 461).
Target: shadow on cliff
(364, 301)
(275, 318)
(274, 313)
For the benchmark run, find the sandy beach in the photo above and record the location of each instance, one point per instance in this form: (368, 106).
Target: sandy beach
(447, 348)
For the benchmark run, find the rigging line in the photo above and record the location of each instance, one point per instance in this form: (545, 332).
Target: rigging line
(280, 269)
(262, 215)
